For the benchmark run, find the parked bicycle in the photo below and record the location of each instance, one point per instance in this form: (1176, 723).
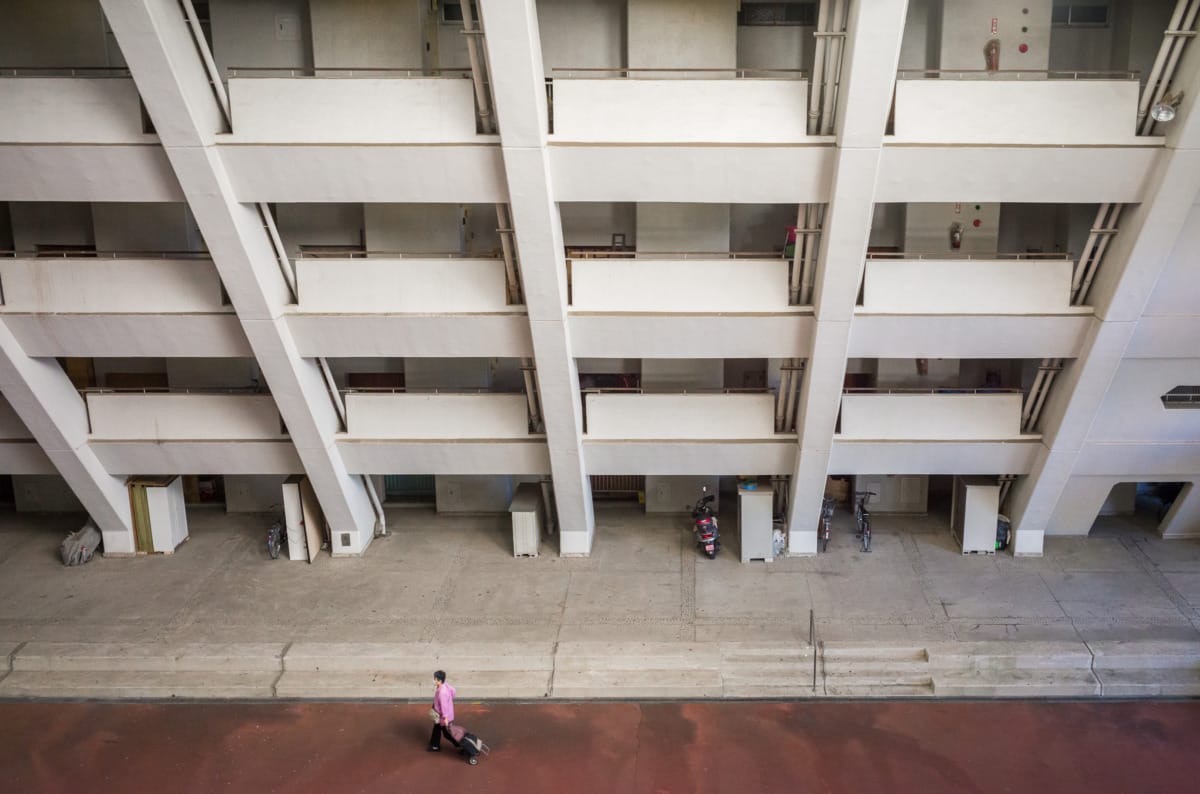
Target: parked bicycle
(863, 516)
(276, 539)
(827, 503)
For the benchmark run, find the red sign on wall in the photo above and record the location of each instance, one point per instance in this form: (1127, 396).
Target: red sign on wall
(995, 25)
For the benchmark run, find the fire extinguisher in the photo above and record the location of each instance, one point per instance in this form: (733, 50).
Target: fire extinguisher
(956, 230)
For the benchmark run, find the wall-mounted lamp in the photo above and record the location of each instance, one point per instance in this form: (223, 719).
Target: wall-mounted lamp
(1166, 109)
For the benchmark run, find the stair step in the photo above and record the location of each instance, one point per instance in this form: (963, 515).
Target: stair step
(1150, 682)
(1017, 683)
(637, 684)
(119, 684)
(1145, 655)
(403, 657)
(881, 690)
(363, 684)
(148, 657)
(871, 652)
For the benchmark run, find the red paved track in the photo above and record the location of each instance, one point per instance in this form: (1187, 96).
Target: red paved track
(605, 747)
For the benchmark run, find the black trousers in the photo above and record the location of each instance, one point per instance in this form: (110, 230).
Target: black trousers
(440, 730)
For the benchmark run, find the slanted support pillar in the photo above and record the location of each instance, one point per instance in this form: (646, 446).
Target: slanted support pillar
(518, 83)
(172, 80)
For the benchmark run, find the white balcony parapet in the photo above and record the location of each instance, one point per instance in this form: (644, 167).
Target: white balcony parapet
(708, 109)
(1003, 108)
(937, 415)
(111, 283)
(633, 416)
(703, 283)
(102, 107)
(392, 284)
(911, 284)
(183, 416)
(417, 415)
(324, 109)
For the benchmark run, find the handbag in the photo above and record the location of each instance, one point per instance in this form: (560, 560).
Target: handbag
(433, 715)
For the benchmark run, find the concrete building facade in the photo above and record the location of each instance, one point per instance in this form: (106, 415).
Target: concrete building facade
(435, 250)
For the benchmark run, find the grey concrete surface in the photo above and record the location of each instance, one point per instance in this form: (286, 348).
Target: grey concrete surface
(644, 616)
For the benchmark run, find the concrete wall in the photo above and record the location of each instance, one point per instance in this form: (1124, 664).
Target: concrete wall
(683, 227)
(260, 33)
(927, 227)
(69, 110)
(366, 33)
(582, 34)
(1066, 112)
(902, 373)
(473, 493)
(319, 224)
(110, 285)
(760, 227)
(967, 27)
(682, 34)
(44, 493)
(254, 493)
(680, 416)
(675, 494)
(54, 33)
(448, 374)
(681, 285)
(1177, 292)
(1133, 411)
(432, 416)
(594, 223)
(11, 426)
(212, 373)
(401, 285)
(195, 417)
(353, 110)
(775, 47)
(51, 223)
(414, 228)
(939, 286)
(922, 44)
(691, 110)
(159, 227)
(931, 416)
(682, 374)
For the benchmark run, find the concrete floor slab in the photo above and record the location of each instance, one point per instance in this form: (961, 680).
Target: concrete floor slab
(1187, 585)
(491, 592)
(849, 596)
(1105, 594)
(989, 594)
(607, 596)
(666, 630)
(747, 592)
(1080, 554)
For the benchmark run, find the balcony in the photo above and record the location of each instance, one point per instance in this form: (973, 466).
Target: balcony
(931, 415)
(392, 106)
(191, 432)
(630, 432)
(92, 106)
(667, 305)
(412, 432)
(987, 284)
(380, 304)
(1048, 108)
(679, 106)
(118, 304)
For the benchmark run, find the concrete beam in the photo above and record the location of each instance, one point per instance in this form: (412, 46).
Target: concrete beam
(518, 83)
(42, 395)
(174, 85)
(874, 34)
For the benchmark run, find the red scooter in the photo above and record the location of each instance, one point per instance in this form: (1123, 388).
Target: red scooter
(707, 536)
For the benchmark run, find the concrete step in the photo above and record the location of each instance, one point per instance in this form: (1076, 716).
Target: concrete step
(360, 684)
(855, 669)
(873, 652)
(6, 652)
(1150, 682)
(766, 691)
(1145, 655)
(756, 654)
(148, 657)
(625, 684)
(1009, 656)
(636, 656)
(908, 688)
(413, 657)
(122, 684)
(1016, 683)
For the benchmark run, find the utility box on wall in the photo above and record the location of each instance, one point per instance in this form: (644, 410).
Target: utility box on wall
(526, 510)
(159, 516)
(293, 519)
(974, 513)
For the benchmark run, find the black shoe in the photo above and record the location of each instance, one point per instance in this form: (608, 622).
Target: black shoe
(432, 749)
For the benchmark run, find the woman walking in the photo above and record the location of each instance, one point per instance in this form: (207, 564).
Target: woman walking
(443, 708)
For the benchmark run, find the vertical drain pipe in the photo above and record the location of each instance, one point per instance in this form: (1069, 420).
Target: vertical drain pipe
(817, 79)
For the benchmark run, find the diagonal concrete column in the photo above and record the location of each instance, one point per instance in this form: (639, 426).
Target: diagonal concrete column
(42, 395)
(874, 34)
(174, 85)
(1132, 265)
(518, 82)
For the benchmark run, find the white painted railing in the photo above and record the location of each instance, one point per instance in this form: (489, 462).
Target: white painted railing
(636, 416)
(975, 108)
(965, 285)
(110, 283)
(706, 109)
(76, 109)
(181, 416)
(649, 284)
(418, 284)
(415, 416)
(924, 415)
(361, 110)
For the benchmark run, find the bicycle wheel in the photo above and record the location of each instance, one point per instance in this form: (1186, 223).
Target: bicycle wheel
(866, 537)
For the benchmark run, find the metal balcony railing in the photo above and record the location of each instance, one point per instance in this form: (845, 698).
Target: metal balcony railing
(351, 254)
(988, 256)
(1015, 74)
(344, 71)
(678, 74)
(64, 71)
(51, 254)
(931, 390)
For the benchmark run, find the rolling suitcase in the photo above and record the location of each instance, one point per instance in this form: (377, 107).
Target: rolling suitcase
(469, 744)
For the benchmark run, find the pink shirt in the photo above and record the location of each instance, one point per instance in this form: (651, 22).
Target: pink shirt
(443, 702)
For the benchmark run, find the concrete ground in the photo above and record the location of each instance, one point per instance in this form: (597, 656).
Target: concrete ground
(445, 589)
(1091, 748)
